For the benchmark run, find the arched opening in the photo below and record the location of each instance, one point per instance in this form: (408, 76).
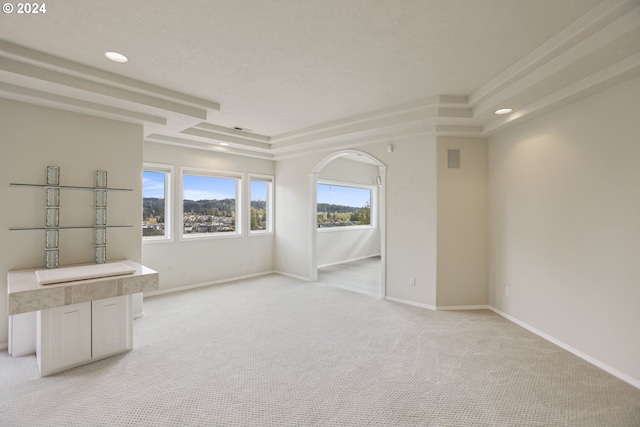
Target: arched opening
(380, 208)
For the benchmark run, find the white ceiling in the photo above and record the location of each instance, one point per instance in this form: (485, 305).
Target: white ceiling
(292, 70)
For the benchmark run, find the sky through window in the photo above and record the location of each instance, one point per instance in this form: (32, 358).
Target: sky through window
(342, 195)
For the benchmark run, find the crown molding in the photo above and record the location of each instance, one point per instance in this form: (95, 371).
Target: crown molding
(54, 63)
(615, 74)
(588, 25)
(23, 94)
(426, 108)
(233, 132)
(82, 84)
(396, 135)
(440, 109)
(237, 139)
(198, 145)
(594, 44)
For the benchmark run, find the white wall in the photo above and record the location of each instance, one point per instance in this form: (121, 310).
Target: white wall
(463, 224)
(411, 215)
(565, 225)
(412, 220)
(336, 245)
(33, 138)
(199, 261)
(339, 245)
(351, 171)
(294, 221)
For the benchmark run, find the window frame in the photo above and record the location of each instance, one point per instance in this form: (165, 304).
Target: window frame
(215, 173)
(168, 171)
(373, 206)
(270, 180)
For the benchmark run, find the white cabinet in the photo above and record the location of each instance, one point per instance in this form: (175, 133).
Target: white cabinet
(111, 326)
(76, 334)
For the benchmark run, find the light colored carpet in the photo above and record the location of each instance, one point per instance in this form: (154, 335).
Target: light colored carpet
(276, 351)
(361, 276)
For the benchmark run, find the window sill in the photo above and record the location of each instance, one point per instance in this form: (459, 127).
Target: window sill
(154, 240)
(260, 233)
(345, 228)
(208, 236)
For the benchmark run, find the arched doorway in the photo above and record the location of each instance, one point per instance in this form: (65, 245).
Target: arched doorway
(381, 203)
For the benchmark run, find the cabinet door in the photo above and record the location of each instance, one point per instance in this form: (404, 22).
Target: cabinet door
(64, 337)
(112, 325)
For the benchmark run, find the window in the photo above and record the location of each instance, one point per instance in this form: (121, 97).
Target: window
(210, 203)
(261, 204)
(344, 205)
(156, 218)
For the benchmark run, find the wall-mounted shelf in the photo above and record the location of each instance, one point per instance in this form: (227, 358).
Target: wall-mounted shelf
(52, 217)
(68, 187)
(70, 227)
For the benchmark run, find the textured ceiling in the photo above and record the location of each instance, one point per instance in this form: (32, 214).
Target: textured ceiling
(280, 66)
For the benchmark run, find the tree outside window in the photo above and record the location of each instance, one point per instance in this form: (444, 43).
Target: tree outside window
(343, 205)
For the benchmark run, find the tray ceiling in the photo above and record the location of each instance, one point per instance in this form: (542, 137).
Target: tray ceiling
(299, 75)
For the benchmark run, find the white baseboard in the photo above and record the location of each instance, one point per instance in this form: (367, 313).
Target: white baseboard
(462, 307)
(440, 307)
(613, 371)
(416, 304)
(217, 282)
(204, 284)
(348, 260)
(295, 276)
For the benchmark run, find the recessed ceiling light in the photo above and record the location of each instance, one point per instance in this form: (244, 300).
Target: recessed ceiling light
(116, 57)
(224, 143)
(503, 111)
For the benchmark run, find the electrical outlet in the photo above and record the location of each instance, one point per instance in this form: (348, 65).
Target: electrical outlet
(412, 281)
(284, 258)
(506, 290)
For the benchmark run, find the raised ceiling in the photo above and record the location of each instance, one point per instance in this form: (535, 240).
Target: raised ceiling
(313, 74)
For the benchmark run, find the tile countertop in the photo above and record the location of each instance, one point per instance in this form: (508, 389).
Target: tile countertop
(25, 294)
